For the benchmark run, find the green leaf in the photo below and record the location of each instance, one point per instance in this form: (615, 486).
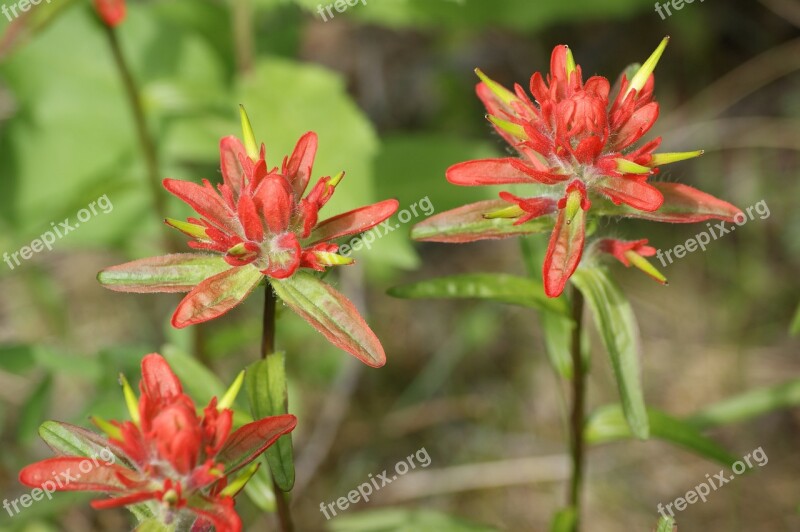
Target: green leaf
(467, 224)
(331, 314)
(179, 272)
(17, 358)
(70, 440)
(35, 409)
(794, 330)
(260, 490)
(558, 341)
(608, 424)
(397, 520)
(564, 520)
(267, 391)
(748, 405)
(619, 331)
(665, 524)
(492, 286)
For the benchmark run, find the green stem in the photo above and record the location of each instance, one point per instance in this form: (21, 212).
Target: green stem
(267, 349)
(146, 142)
(577, 416)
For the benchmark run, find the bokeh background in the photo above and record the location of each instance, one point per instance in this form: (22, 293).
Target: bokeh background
(389, 88)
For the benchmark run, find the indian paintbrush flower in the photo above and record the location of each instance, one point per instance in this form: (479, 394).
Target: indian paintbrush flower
(582, 145)
(256, 225)
(181, 466)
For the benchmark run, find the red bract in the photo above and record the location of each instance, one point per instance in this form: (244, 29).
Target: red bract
(257, 223)
(167, 455)
(580, 143)
(112, 12)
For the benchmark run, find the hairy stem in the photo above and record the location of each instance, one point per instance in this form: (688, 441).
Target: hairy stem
(267, 349)
(577, 415)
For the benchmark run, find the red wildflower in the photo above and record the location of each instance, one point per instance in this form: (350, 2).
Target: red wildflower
(632, 254)
(581, 143)
(168, 457)
(112, 12)
(259, 224)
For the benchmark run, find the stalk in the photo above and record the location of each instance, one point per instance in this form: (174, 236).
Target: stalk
(578, 409)
(267, 349)
(146, 141)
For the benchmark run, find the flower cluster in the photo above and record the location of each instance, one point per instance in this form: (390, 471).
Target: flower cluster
(580, 143)
(259, 224)
(177, 463)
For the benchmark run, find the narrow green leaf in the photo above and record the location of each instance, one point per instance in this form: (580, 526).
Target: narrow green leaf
(259, 490)
(557, 341)
(467, 224)
(492, 286)
(331, 314)
(619, 331)
(666, 524)
(564, 520)
(266, 389)
(179, 272)
(747, 405)
(608, 424)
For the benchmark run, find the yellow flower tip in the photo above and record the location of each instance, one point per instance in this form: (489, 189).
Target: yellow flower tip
(239, 250)
(131, 401)
(193, 230)
(332, 259)
(513, 211)
(112, 431)
(574, 199)
(644, 265)
(629, 167)
(667, 158)
(511, 128)
(230, 395)
(250, 145)
(571, 66)
(239, 482)
(505, 95)
(642, 75)
(335, 180)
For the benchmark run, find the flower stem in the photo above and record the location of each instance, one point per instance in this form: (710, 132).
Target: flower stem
(267, 349)
(577, 416)
(146, 141)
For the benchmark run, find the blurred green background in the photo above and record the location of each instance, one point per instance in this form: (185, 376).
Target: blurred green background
(389, 88)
